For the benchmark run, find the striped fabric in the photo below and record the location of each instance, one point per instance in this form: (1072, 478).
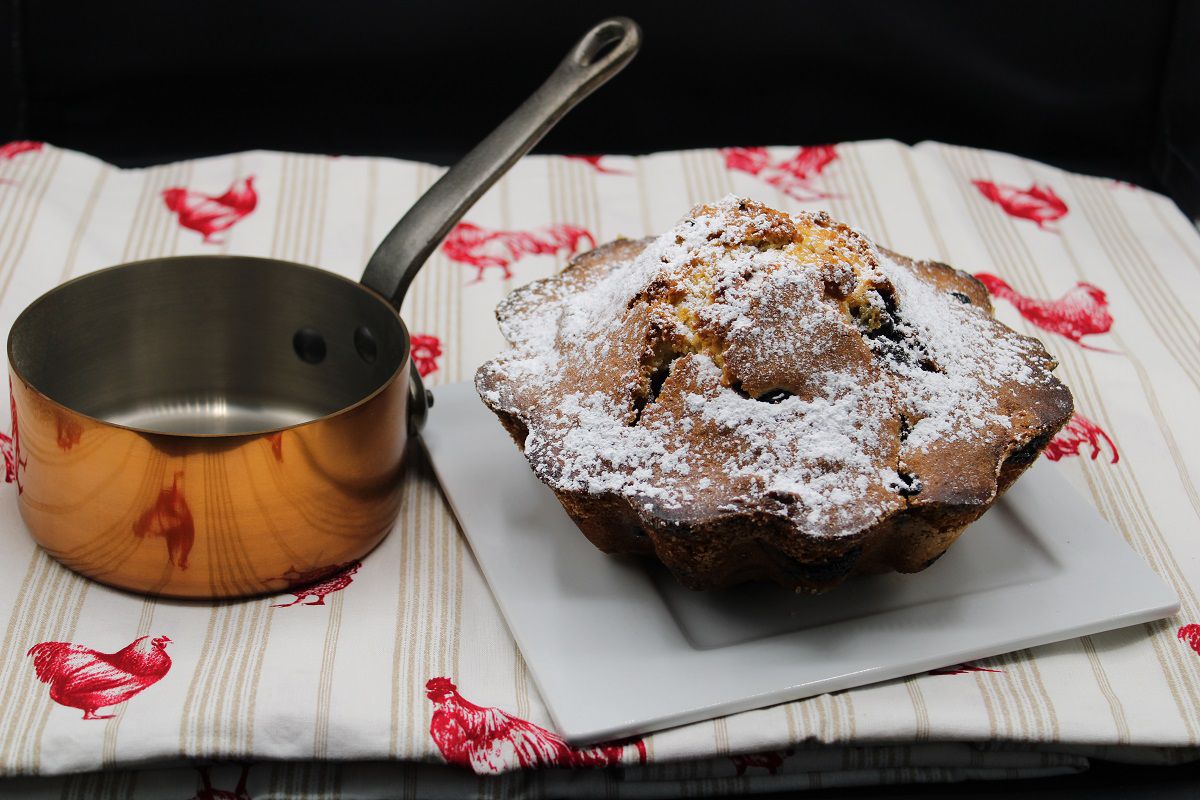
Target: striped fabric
(300, 692)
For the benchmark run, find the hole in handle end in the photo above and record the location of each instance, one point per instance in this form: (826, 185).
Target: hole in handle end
(603, 41)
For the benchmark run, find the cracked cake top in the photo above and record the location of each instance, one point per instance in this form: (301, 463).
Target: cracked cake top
(752, 361)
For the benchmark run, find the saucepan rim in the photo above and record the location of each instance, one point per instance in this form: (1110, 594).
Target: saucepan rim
(30, 385)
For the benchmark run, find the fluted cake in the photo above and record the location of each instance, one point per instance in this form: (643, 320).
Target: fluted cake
(762, 396)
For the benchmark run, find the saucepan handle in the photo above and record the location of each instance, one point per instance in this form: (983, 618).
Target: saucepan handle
(600, 54)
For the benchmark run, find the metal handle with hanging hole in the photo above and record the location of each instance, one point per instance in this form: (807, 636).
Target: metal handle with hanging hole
(600, 54)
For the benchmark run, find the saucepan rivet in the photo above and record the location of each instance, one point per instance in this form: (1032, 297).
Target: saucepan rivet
(364, 343)
(309, 344)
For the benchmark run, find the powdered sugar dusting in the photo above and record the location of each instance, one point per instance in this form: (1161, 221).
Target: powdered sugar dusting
(752, 359)
(824, 465)
(599, 453)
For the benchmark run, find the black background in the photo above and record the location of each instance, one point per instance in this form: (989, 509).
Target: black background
(1101, 87)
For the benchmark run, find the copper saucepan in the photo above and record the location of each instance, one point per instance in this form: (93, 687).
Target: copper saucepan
(219, 426)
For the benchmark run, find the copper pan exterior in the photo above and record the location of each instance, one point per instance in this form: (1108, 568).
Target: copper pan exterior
(209, 517)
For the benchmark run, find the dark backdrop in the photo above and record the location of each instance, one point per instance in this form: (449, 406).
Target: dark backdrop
(1107, 87)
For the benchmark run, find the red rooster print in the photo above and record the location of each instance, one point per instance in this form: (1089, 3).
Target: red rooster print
(1191, 635)
(207, 792)
(1082, 311)
(208, 214)
(1079, 432)
(490, 741)
(334, 580)
(171, 519)
(771, 761)
(793, 176)
(11, 150)
(481, 248)
(594, 163)
(10, 446)
(89, 680)
(69, 432)
(1038, 204)
(960, 669)
(10, 458)
(426, 350)
(275, 440)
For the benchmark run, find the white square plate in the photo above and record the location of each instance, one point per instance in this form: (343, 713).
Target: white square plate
(618, 648)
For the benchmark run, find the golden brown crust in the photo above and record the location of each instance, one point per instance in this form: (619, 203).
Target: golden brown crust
(633, 369)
